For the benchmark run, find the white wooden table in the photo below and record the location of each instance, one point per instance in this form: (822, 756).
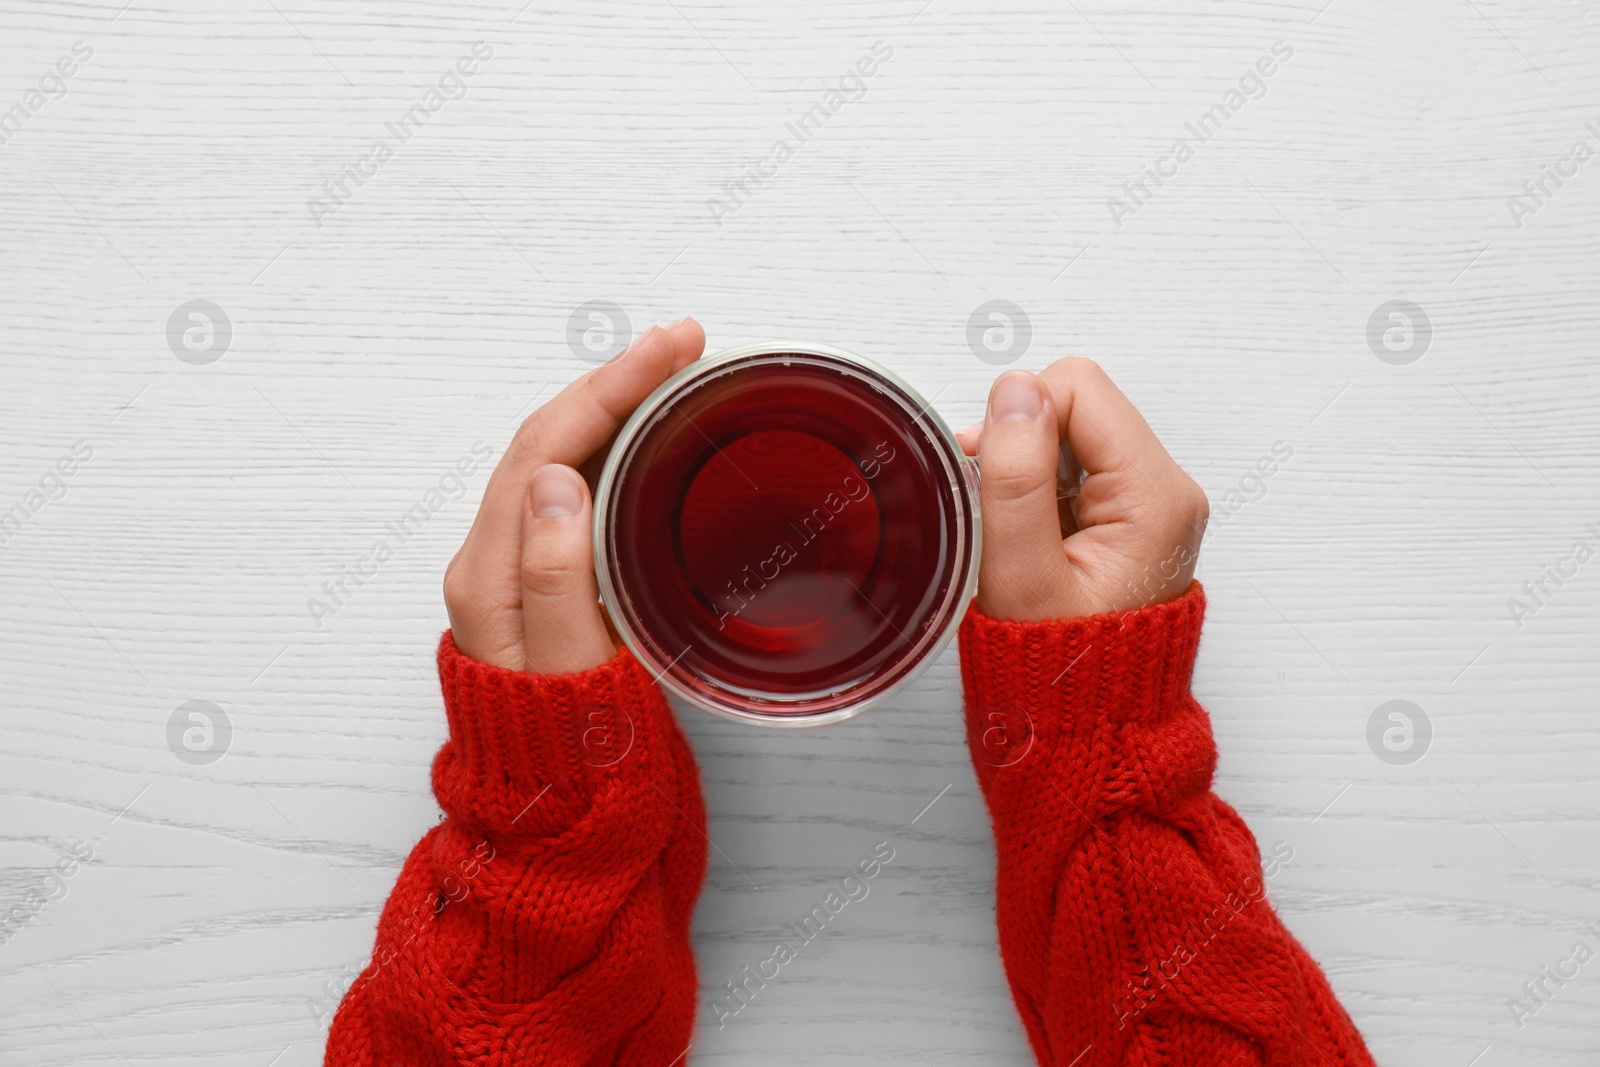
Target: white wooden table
(430, 309)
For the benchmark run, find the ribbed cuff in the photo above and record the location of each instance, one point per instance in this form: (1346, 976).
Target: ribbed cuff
(1029, 682)
(518, 739)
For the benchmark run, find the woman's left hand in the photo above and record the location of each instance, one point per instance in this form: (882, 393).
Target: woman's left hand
(1132, 535)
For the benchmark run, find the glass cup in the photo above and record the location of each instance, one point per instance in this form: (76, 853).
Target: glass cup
(786, 534)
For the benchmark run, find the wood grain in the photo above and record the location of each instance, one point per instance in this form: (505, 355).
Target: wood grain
(430, 312)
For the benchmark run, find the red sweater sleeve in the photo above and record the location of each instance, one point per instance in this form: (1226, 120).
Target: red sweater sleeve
(546, 919)
(1132, 911)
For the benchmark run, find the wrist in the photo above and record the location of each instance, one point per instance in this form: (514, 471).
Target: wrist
(1034, 685)
(529, 752)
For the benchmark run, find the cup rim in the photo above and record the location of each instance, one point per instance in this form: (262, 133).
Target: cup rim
(610, 595)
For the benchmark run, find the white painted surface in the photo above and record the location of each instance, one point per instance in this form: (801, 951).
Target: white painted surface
(430, 311)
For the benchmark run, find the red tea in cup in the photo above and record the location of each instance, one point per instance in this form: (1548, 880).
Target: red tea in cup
(785, 535)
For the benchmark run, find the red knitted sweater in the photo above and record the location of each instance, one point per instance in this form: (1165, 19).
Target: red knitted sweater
(545, 921)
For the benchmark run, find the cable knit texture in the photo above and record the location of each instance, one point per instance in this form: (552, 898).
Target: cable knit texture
(1132, 908)
(546, 919)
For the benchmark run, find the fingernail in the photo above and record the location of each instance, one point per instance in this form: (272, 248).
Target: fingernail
(637, 341)
(556, 492)
(1015, 396)
(681, 320)
(976, 427)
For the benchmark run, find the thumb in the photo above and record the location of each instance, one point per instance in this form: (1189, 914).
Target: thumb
(1023, 573)
(562, 627)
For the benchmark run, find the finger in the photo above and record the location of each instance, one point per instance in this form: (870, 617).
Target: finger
(688, 342)
(581, 418)
(562, 630)
(1105, 431)
(1023, 564)
(968, 438)
(1135, 503)
(1128, 473)
(1069, 487)
(585, 415)
(481, 584)
(1069, 476)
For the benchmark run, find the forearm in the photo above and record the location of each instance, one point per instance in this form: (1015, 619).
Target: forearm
(1132, 909)
(546, 919)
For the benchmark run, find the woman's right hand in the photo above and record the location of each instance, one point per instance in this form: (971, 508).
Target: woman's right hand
(521, 592)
